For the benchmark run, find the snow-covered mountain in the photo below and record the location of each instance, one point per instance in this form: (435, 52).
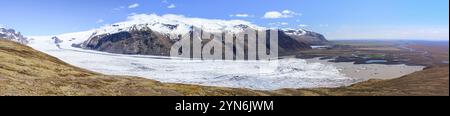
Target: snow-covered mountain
(13, 35)
(154, 35)
(308, 37)
(151, 34)
(175, 25)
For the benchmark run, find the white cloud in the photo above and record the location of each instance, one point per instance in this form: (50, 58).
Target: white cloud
(119, 8)
(324, 25)
(165, 2)
(303, 25)
(273, 15)
(243, 15)
(135, 5)
(278, 24)
(171, 6)
(132, 14)
(282, 14)
(100, 21)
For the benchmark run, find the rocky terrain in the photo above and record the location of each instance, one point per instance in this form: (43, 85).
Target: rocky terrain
(145, 42)
(11, 34)
(27, 72)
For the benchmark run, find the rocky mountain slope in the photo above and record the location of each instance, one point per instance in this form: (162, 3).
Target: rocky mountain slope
(308, 37)
(11, 34)
(24, 71)
(145, 42)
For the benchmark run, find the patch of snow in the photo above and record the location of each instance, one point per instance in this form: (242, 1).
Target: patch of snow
(46, 42)
(174, 24)
(3, 26)
(298, 32)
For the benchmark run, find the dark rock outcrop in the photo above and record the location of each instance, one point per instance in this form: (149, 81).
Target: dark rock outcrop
(287, 43)
(57, 41)
(144, 42)
(12, 35)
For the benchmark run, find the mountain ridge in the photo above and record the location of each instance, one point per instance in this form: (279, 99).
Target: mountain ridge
(11, 34)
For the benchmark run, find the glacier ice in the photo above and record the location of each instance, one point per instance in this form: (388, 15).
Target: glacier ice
(261, 75)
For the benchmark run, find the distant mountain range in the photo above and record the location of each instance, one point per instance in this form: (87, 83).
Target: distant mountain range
(13, 35)
(154, 35)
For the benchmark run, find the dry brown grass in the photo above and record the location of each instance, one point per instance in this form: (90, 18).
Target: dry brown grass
(430, 82)
(436, 53)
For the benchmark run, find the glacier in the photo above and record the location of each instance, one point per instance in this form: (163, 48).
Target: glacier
(260, 75)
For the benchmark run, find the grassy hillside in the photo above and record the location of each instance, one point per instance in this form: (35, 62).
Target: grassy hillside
(24, 71)
(27, 72)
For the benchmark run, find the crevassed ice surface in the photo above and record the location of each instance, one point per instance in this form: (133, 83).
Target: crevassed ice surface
(261, 75)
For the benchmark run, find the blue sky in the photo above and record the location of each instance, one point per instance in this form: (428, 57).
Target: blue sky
(337, 19)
